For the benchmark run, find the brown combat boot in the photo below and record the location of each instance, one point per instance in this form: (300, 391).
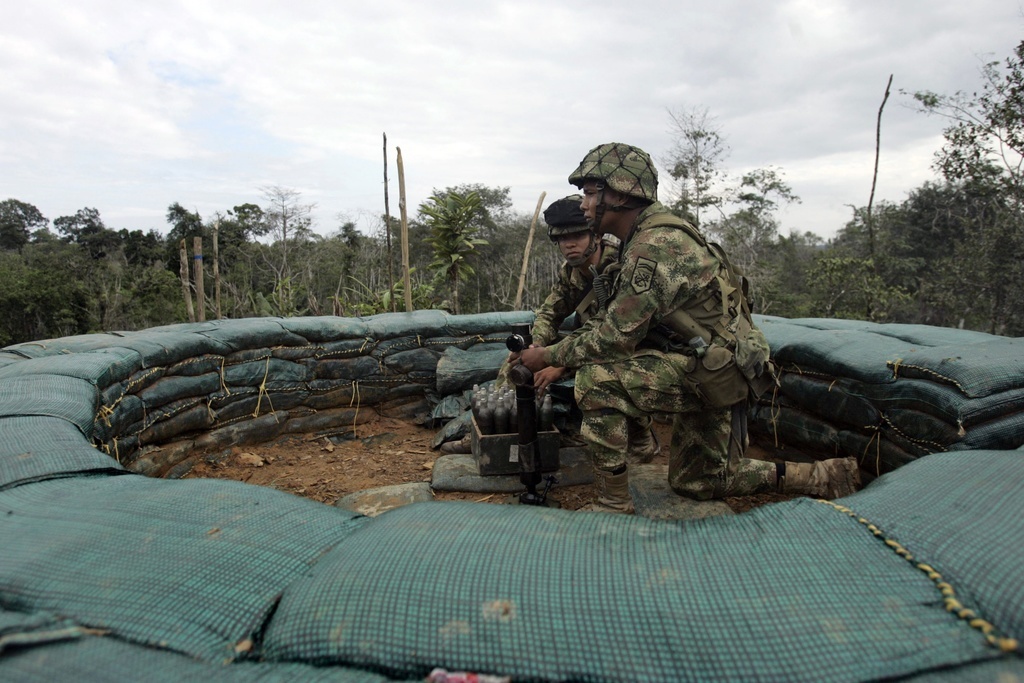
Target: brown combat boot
(830, 479)
(643, 445)
(463, 445)
(612, 493)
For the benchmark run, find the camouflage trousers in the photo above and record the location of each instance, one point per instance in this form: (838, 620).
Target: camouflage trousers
(706, 454)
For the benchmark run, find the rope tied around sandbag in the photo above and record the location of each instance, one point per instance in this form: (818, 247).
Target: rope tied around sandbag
(223, 385)
(263, 392)
(774, 411)
(898, 364)
(923, 444)
(949, 600)
(876, 438)
(106, 448)
(358, 401)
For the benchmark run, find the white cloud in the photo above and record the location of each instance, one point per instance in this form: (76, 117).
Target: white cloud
(130, 106)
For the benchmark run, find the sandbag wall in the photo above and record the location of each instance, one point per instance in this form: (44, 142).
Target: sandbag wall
(889, 394)
(110, 576)
(164, 396)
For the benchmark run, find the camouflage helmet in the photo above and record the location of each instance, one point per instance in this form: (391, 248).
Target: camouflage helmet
(564, 217)
(624, 168)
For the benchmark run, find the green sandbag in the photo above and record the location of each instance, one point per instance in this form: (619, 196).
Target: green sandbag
(978, 370)
(75, 400)
(390, 325)
(92, 658)
(191, 566)
(34, 448)
(540, 594)
(328, 328)
(828, 399)
(495, 323)
(960, 514)
(458, 370)
(102, 367)
(174, 388)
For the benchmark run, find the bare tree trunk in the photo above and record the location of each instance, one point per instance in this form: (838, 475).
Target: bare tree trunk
(387, 231)
(216, 269)
(197, 269)
(526, 253)
(874, 178)
(405, 231)
(183, 272)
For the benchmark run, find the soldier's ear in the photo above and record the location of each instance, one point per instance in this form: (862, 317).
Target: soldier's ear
(613, 197)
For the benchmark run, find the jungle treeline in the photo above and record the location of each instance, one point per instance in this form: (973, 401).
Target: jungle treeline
(950, 254)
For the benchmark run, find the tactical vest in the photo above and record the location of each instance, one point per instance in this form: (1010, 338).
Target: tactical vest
(730, 356)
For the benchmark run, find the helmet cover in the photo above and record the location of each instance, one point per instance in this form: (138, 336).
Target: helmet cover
(624, 168)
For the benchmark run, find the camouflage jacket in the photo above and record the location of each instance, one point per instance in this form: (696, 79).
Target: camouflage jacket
(566, 294)
(663, 269)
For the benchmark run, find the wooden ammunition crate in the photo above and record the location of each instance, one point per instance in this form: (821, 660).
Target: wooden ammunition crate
(499, 453)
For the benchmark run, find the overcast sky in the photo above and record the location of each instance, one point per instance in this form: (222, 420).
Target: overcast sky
(128, 107)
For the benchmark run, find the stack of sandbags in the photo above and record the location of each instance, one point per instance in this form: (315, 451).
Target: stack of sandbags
(158, 398)
(889, 393)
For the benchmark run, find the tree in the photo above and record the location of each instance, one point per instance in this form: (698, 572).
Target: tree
(694, 161)
(17, 222)
(453, 222)
(289, 222)
(752, 228)
(987, 128)
(86, 229)
(984, 156)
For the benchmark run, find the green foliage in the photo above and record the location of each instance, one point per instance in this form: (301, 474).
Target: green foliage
(453, 220)
(87, 230)
(17, 222)
(849, 287)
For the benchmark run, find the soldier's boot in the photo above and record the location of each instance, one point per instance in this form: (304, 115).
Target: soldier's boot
(612, 493)
(833, 478)
(643, 444)
(463, 445)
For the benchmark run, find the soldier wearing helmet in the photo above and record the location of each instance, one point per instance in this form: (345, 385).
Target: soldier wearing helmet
(585, 255)
(578, 294)
(676, 337)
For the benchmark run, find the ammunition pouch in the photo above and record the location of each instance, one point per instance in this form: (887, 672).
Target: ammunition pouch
(727, 356)
(716, 379)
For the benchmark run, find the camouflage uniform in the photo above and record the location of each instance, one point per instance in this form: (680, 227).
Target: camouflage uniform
(566, 294)
(621, 374)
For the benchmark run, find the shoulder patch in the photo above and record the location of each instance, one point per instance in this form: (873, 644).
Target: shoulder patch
(643, 274)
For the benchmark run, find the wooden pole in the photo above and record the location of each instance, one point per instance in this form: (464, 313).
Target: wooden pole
(216, 269)
(183, 271)
(526, 253)
(197, 269)
(405, 231)
(387, 231)
(874, 178)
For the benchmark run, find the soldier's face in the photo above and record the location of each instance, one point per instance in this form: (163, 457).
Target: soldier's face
(574, 246)
(591, 198)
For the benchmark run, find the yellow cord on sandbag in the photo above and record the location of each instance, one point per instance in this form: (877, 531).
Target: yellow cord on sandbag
(951, 604)
(263, 391)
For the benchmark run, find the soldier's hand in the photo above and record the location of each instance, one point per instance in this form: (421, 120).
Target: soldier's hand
(542, 378)
(533, 358)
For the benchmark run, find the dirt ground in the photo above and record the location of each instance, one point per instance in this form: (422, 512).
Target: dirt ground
(384, 451)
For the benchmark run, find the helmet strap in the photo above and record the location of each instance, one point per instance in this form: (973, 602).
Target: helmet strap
(595, 226)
